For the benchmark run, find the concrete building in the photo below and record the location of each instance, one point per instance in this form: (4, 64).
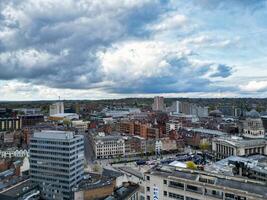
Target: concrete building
(56, 108)
(64, 116)
(22, 191)
(252, 167)
(166, 182)
(175, 108)
(128, 191)
(56, 163)
(173, 125)
(186, 108)
(109, 146)
(80, 125)
(31, 120)
(252, 126)
(13, 153)
(236, 146)
(158, 104)
(10, 124)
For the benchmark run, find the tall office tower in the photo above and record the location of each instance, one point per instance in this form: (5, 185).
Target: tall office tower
(56, 163)
(56, 108)
(175, 107)
(158, 104)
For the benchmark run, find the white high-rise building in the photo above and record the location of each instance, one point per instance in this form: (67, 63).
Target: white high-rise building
(56, 163)
(158, 104)
(56, 108)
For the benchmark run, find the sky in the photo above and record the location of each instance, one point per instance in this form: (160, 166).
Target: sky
(102, 49)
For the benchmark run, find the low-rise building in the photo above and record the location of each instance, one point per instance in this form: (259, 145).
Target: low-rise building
(166, 182)
(21, 191)
(97, 186)
(80, 125)
(14, 153)
(10, 124)
(108, 146)
(237, 146)
(31, 120)
(252, 167)
(173, 125)
(128, 191)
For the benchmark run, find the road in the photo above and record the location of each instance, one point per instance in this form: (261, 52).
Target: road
(88, 149)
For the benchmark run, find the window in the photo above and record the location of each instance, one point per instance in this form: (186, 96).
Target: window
(165, 182)
(148, 189)
(176, 196)
(190, 198)
(193, 188)
(176, 184)
(165, 193)
(147, 197)
(148, 178)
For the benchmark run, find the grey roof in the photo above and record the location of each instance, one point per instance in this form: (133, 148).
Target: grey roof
(19, 190)
(253, 114)
(109, 137)
(209, 131)
(241, 142)
(244, 185)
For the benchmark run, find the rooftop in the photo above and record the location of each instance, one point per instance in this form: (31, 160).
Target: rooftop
(123, 192)
(244, 185)
(209, 131)
(96, 181)
(53, 134)
(18, 190)
(241, 142)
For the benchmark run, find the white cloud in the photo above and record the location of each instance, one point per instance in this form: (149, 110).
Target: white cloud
(254, 86)
(169, 22)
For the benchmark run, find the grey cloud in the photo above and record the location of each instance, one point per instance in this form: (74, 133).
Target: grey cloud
(56, 44)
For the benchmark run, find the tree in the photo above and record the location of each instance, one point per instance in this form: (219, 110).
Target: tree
(204, 146)
(96, 168)
(66, 122)
(191, 165)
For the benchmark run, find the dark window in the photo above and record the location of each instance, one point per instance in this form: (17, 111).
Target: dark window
(148, 178)
(176, 184)
(176, 196)
(165, 193)
(148, 189)
(193, 188)
(165, 182)
(190, 198)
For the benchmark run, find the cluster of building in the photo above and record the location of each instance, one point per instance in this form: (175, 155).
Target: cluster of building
(52, 155)
(116, 145)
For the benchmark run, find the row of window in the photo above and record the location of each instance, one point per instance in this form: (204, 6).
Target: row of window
(195, 189)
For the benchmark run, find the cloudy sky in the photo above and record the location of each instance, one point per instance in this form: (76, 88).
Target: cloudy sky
(95, 49)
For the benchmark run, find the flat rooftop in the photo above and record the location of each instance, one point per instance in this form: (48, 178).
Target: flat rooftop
(241, 184)
(208, 131)
(54, 134)
(241, 142)
(18, 190)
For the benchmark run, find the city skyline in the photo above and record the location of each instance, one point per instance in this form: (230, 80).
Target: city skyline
(97, 49)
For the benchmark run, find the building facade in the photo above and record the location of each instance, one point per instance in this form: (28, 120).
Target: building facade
(168, 183)
(158, 104)
(10, 124)
(235, 146)
(56, 163)
(109, 146)
(56, 108)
